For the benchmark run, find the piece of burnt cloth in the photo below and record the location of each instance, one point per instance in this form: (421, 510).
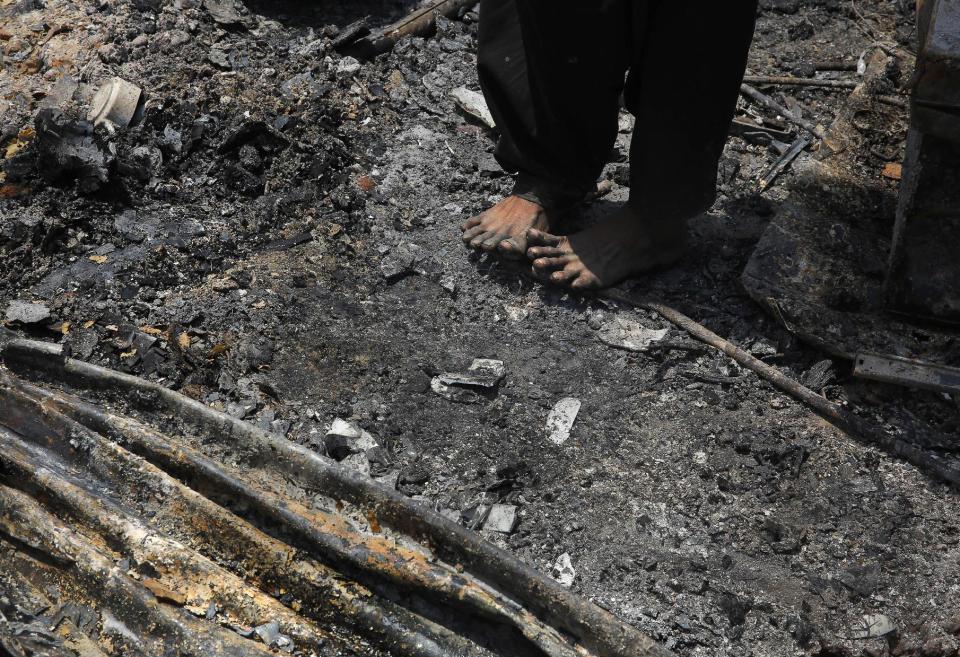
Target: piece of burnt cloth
(553, 71)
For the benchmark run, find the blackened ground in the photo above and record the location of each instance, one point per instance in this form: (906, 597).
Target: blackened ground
(277, 237)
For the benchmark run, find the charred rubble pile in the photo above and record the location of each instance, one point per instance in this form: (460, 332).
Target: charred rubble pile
(250, 133)
(243, 205)
(243, 150)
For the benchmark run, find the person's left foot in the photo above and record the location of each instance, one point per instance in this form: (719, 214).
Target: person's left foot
(620, 246)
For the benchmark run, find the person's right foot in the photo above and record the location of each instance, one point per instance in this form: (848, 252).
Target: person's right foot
(619, 246)
(503, 228)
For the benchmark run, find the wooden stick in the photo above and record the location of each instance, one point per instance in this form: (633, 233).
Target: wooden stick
(805, 82)
(420, 22)
(893, 100)
(783, 162)
(858, 427)
(771, 104)
(835, 66)
(800, 82)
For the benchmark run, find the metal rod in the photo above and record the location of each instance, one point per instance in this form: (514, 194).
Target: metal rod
(182, 568)
(595, 628)
(326, 595)
(96, 574)
(325, 535)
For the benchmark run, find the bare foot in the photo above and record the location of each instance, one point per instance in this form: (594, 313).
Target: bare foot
(620, 246)
(503, 228)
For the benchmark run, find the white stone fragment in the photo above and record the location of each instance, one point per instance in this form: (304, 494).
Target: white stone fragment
(563, 570)
(474, 104)
(348, 66)
(561, 418)
(623, 333)
(872, 626)
(502, 518)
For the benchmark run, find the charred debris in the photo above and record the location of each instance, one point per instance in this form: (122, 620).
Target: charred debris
(254, 398)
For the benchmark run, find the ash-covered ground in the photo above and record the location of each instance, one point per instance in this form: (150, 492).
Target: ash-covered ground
(277, 236)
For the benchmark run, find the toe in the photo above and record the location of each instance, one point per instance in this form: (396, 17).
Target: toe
(548, 264)
(492, 241)
(535, 252)
(513, 247)
(539, 238)
(585, 281)
(479, 239)
(470, 223)
(471, 233)
(563, 275)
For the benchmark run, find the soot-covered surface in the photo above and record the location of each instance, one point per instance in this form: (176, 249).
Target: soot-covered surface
(278, 238)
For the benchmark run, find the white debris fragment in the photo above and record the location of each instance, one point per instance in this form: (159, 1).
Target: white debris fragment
(475, 516)
(347, 442)
(473, 103)
(502, 518)
(358, 462)
(114, 626)
(115, 104)
(348, 66)
(341, 427)
(449, 283)
(27, 313)
(561, 418)
(623, 333)
(366, 441)
(494, 368)
(389, 480)
(516, 313)
(453, 393)
(563, 570)
(361, 439)
(268, 632)
(483, 373)
(872, 626)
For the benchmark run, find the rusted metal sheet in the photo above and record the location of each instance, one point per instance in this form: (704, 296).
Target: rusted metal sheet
(185, 530)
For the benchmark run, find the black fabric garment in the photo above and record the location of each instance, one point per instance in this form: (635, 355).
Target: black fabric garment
(553, 72)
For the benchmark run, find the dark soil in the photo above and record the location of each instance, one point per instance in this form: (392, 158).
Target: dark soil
(277, 237)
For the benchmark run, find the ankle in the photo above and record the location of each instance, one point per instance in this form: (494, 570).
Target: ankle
(659, 224)
(519, 203)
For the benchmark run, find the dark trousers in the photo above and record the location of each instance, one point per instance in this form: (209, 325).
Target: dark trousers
(552, 72)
